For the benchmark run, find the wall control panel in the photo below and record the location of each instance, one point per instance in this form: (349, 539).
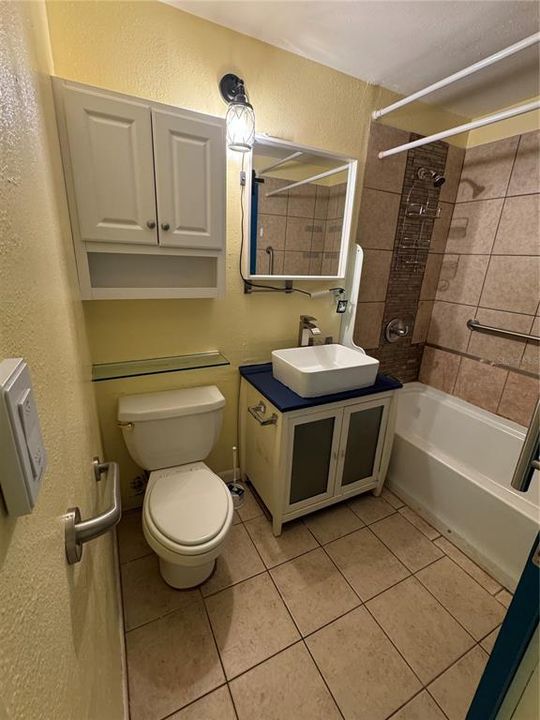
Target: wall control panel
(23, 458)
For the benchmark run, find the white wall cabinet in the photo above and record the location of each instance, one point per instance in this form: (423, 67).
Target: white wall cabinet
(309, 459)
(146, 191)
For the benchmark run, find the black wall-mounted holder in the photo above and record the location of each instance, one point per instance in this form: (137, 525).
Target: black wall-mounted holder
(249, 288)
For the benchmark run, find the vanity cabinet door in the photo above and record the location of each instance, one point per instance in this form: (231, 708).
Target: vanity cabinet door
(190, 179)
(362, 440)
(313, 442)
(112, 167)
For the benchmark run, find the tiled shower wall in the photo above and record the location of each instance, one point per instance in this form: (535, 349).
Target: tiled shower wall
(402, 252)
(491, 271)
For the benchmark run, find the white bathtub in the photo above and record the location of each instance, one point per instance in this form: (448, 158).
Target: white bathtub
(453, 463)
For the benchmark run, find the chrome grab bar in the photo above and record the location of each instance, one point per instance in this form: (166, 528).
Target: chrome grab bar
(258, 412)
(528, 458)
(77, 531)
(475, 325)
(270, 252)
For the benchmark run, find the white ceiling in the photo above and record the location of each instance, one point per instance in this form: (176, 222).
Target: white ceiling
(402, 45)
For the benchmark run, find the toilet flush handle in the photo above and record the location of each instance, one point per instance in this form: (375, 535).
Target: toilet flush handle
(126, 425)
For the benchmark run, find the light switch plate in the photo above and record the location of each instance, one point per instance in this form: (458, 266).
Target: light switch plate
(23, 458)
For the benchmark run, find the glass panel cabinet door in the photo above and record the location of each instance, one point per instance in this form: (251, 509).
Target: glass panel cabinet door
(361, 445)
(313, 457)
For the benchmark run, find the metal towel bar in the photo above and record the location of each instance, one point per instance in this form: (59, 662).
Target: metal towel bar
(258, 412)
(77, 531)
(475, 325)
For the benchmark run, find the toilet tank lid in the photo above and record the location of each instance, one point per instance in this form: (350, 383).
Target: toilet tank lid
(170, 403)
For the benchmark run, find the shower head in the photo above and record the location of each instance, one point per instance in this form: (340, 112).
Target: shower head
(436, 178)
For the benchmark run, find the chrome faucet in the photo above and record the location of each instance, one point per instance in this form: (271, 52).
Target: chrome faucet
(307, 329)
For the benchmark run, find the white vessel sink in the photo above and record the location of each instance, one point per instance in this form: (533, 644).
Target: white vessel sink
(323, 369)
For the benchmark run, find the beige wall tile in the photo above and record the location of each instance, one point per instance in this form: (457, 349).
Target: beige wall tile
(448, 327)
(302, 201)
(215, 706)
(425, 634)
(271, 231)
(332, 523)
(519, 229)
(406, 542)
(293, 541)
(461, 278)
(455, 689)
(463, 597)
(422, 707)
(314, 590)
(441, 226)
(505, 351)
(171, 662)
(439, 369)
(298, 234)
(315, 263)
(526, 173)
(322, 194)
(250, 623)
(367, 328)
(422, 320)
(385, 174)
(452, 173)
(512, 283)
(486, 170)
(375, 274)
(377, 219)
(531, 356)
(519, 398)
(473, 227)
(366, 563)
(363, 670)
(296, 263)
(480, 383)
(330, 263)
(431, 276)
(318, 235)
(285, 686)
(277, 204)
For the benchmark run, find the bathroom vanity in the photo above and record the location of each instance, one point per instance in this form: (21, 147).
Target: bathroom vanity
(303, 454)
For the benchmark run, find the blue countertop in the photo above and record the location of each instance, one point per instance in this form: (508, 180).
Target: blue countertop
(285, 400)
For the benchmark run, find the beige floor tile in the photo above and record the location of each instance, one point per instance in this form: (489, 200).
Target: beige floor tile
(476, 572)
(250, 623)
(419, 523)
(171, 662)
(215, 706)
(504, 597)
(236, 518)
(131, 542)
(251, 508)
(146, 596)
(370, 508)
(294, 540)
(422, 707)
(455, 689)
(285, 687)
(409, 544)
(366, 563)
(463, 597)
(332, 523)
(366, 675)
(238, 561)
(427, 636)
(392, 499)
(314, 590)
(489, 641)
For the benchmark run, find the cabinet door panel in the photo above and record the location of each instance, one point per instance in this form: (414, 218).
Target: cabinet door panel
(190, 180)
(110, 147)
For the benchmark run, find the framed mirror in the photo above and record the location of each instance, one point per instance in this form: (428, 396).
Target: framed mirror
(299, 203)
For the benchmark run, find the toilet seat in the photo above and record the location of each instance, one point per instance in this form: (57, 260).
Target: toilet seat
(187, 509)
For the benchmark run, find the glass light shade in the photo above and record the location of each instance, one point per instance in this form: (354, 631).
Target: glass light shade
(240, 127)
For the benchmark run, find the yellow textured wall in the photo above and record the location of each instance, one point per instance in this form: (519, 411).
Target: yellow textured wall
(59, 626)
(506, 128)
(157, 52)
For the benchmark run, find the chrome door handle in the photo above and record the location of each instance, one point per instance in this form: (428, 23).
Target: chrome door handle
(77, 531)
(258, 413)
(528, 458)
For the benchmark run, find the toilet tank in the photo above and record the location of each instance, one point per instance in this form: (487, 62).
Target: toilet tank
(174, 427)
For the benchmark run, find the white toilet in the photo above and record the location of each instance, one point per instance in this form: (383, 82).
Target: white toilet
(188, 509)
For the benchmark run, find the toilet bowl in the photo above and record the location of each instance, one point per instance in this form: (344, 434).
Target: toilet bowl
(188, 509)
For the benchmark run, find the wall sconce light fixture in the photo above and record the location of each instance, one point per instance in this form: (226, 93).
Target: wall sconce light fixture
(240, 115)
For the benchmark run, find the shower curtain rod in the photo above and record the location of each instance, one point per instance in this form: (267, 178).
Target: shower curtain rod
(486, 62)
(497, 117)
(280, 162)
(334, 171)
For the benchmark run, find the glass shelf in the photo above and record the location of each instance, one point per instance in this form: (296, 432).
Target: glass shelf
(154, 366)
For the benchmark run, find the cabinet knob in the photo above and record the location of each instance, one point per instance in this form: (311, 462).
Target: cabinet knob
(150, 224)
(165, 226)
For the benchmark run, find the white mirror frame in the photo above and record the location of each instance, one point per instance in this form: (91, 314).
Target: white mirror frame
(347, 214)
